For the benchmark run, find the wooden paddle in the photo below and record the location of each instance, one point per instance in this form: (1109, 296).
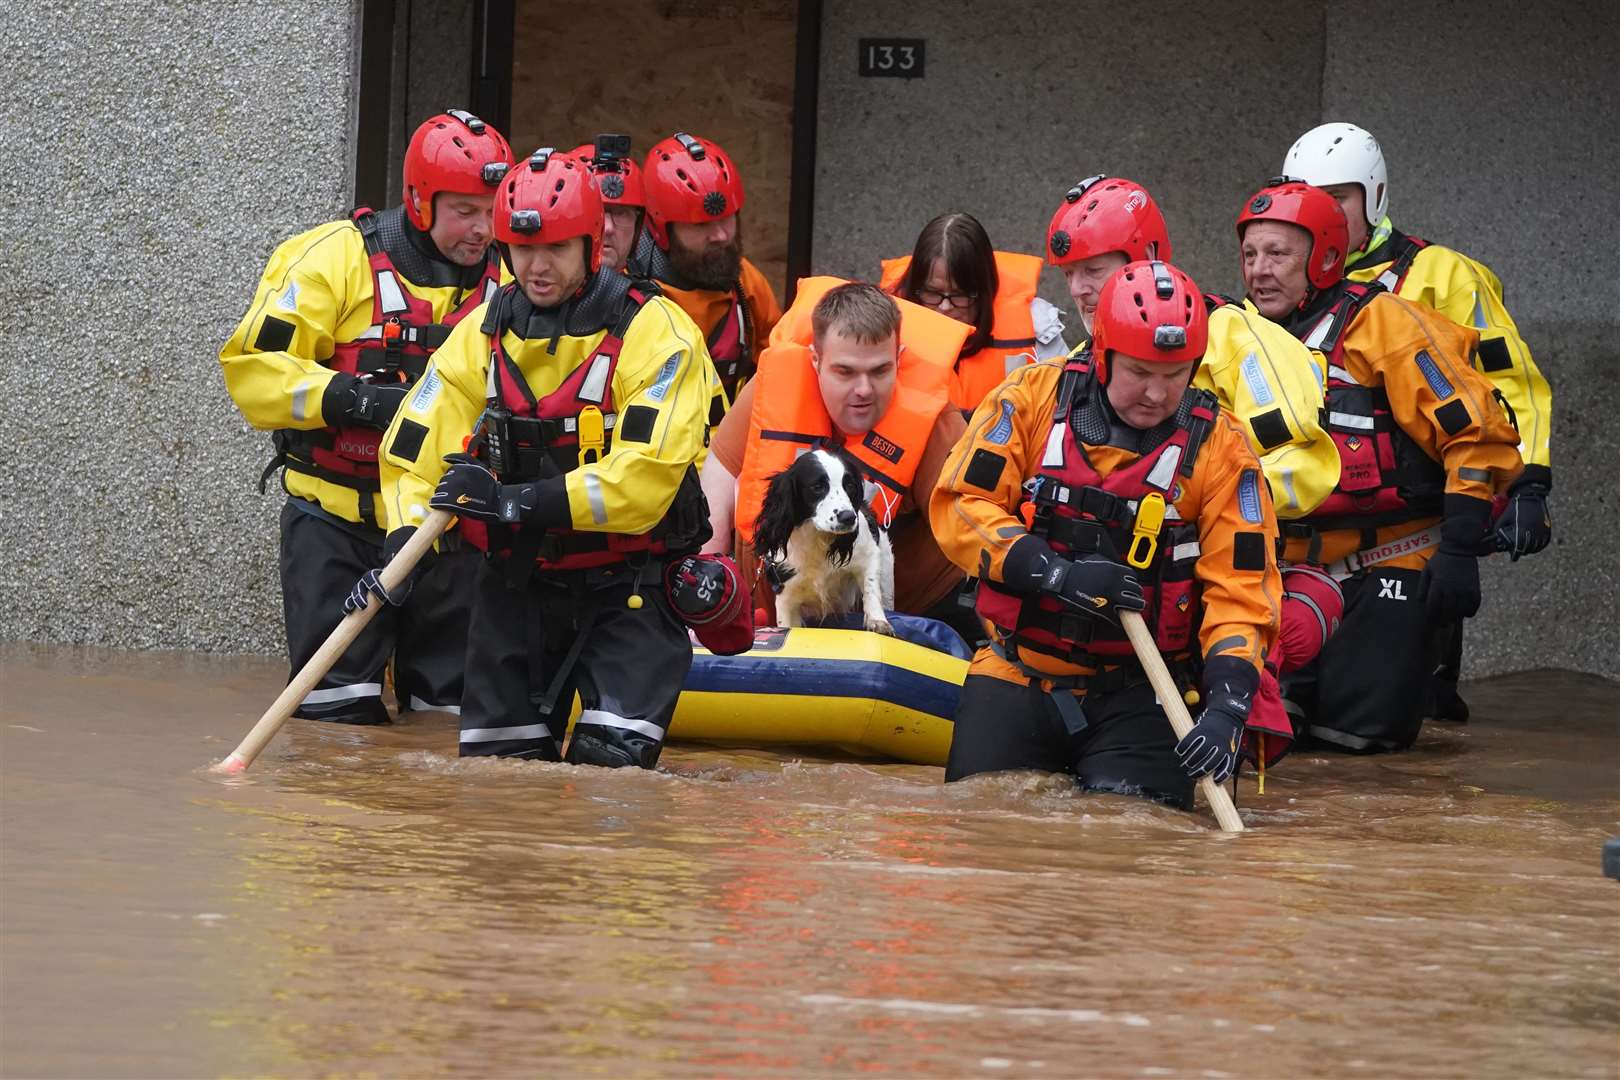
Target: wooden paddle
(393, 575)
(1147, 652)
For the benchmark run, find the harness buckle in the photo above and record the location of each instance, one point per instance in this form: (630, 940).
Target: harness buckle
(1145, 533)
(592, 435)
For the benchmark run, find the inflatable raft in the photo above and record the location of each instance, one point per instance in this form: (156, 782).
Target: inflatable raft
(849, 691)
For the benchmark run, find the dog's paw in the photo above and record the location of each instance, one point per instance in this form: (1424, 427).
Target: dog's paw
(880, 625)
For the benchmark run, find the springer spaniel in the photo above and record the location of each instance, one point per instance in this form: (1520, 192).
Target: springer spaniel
(821, 545)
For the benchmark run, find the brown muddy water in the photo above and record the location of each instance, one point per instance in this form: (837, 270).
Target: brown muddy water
(362, 903)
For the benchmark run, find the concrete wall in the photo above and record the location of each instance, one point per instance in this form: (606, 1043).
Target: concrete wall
(1496, 118)
(149, 162)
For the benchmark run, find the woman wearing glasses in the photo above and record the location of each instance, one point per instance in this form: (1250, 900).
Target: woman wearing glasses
(954, 270)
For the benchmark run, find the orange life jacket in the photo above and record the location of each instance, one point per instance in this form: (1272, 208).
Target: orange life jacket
(1012, 332)
(789, 417)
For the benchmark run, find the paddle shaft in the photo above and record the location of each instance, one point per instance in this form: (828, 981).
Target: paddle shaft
(1164, 686)
(343, 635)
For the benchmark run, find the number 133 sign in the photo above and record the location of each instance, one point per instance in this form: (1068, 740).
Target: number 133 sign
(891, 58)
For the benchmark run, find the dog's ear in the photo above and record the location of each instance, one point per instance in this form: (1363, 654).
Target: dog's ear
(778, 514)
(854, 479)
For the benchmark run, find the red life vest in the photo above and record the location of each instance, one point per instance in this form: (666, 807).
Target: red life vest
(395, 348)
(1384, 476)
(524, 439)
(1078, 510)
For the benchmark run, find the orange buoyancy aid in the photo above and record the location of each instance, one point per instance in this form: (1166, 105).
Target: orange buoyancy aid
(1385, 477)
(523, 439)
(1077, 510)
(395, 348)
(789, 417)
(1012, 332)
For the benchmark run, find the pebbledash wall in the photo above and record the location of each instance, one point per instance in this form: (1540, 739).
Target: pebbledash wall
(149, 164)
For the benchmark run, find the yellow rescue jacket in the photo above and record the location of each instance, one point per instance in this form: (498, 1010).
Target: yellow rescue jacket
(1272, 384)
(317, 292)
(789, 418)
(1465, 291)
(660, 385)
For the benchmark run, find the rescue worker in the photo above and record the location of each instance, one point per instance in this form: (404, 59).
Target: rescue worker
(1258, 372)
(624, 199)
(1347, 162)
(1423, 449)
(694, 198)
(586, 394)
(848, 365)
(343, 322)
(1101, 484)
(953, 269)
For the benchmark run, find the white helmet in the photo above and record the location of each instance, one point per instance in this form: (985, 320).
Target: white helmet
(1342, 154)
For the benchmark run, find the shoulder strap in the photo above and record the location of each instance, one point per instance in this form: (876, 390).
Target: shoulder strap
(1205, 408)
(365, 219)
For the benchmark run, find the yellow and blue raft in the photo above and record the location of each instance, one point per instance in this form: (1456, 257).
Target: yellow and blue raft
(850, 691)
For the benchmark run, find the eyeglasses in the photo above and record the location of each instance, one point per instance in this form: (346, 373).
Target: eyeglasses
(958, 300)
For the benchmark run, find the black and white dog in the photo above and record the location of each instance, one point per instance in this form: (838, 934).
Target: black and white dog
(821, 544)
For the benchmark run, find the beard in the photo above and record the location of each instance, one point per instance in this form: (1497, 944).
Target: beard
(712, 267)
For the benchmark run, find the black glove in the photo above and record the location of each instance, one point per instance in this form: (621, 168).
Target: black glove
(371, 581)
(1091, 584)
(1525, 526)
(1213, 743)
(350, 400)
(1449, 588)
(471, 490)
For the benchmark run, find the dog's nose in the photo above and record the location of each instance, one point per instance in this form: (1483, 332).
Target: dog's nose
(846, 519)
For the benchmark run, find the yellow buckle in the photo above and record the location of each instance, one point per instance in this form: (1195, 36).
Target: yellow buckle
(1145, 533)
(592, 434)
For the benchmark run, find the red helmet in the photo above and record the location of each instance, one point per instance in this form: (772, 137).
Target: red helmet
(1295, 202)
(618, 177)
(1101, 215)
(454, 151)
(1151, 311)
(707, 593)
(548, 199)
(689, 179)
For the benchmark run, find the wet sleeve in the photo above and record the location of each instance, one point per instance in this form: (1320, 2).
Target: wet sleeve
(1420, 358)
(437, 419)
(661, 393)
(1469, 294)
(273, 363)
(974, 507)
(1237, 539)
(1270, 382)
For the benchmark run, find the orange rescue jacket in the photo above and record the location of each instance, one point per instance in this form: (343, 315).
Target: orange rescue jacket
(1012, 332)
(789, 418)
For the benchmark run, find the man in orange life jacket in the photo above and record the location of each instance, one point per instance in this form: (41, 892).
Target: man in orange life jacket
(587, 395)
(851, 366)
(1096, 485)
(695, 253)
(342, 324)
(1423, 449)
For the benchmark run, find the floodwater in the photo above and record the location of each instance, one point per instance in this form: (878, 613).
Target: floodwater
(362, 903)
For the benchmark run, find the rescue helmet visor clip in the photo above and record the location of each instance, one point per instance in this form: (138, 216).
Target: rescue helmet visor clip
(472, 123)
(693, 148)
